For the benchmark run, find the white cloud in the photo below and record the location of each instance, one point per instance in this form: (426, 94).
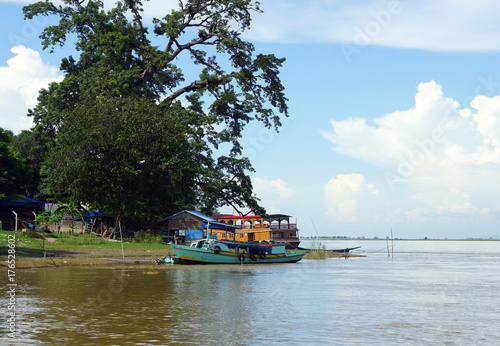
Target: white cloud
(346, 197)
(277, 188)
(446, 25)
(275, 195)
(21, 80)
(440, 161)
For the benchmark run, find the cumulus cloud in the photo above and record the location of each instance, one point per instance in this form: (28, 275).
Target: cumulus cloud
(443, 161)
(21, 80)
(274, 194)
(346, 197)
(277, 188)
(442, 26)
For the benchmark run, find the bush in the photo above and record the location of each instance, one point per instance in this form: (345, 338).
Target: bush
(148, 238)
(317, 251)
(83, 239)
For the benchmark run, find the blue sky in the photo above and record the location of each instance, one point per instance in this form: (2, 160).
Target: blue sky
(395, 112)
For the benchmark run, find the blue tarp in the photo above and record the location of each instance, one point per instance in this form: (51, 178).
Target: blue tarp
(194, 234)
(96, 214)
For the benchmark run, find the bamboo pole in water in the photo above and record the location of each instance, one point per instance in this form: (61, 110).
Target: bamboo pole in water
(392, 244)
(317, 235)
(121, 240)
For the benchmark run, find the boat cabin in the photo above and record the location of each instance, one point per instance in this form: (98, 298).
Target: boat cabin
(271, 228)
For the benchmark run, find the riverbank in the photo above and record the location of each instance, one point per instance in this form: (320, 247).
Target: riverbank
(89, 249)
(74, 250)
(89, 256)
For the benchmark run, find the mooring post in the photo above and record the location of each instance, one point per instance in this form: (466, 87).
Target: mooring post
(16, 220)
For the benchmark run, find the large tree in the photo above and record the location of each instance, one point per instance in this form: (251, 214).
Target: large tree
(14, 173)
(130, 134)
(32, 147)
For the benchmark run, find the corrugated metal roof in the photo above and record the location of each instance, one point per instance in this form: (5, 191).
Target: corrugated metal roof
(194, 213)
(200, 215)
(21, 200)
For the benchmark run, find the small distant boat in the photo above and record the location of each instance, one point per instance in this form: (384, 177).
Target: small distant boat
(213, 251)
(346, 250)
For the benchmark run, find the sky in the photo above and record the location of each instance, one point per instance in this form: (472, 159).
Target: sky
(394, 112)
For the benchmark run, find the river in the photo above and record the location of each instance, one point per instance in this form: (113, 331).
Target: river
(428, 292)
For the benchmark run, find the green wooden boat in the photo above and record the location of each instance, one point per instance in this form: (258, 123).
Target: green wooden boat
(212, 251)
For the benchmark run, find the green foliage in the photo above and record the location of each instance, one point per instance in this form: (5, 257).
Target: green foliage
(82, 239)
(72, 209)
(148, 238)
(117, 135)
(131, 163)
(317, 251)
(14, 173)
(33, 147)
(44, 218)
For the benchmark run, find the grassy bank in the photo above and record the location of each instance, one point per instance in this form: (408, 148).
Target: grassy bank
(86, 249)
(319, 252)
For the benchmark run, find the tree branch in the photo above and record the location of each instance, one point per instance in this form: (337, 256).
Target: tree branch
(204, 83)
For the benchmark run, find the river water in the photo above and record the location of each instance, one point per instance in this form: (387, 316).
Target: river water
(429, 292)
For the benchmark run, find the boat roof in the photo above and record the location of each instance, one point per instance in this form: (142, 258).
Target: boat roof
(218, 225)
(227, 216)
(278, 216)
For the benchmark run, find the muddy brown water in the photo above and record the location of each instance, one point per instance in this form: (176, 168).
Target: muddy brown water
(429, 293)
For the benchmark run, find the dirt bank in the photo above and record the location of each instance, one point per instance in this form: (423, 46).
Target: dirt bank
(34, 258)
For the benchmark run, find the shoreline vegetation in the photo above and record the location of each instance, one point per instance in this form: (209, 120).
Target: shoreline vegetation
(319, 252)
(89, 250)
(399, 239)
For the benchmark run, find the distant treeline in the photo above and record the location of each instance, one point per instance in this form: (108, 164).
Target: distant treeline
(383, 238)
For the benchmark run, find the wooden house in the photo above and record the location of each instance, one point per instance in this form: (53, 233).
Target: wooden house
(182, 227)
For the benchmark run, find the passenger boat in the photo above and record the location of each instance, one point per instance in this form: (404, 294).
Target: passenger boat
(214, 251)
(230, 251)
(274, 228)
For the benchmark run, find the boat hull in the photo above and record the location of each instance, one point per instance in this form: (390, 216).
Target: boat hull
(189, 255)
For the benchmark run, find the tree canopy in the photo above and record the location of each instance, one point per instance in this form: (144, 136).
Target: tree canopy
(14, 173)
(128, 134)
